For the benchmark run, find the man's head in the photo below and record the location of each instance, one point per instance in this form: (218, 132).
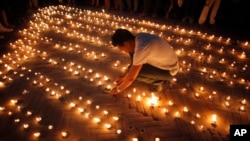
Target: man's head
(123, 39)
(121, 36)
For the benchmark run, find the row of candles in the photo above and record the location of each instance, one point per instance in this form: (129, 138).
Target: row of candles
(32, 38)
(99, 16)
(103, 19)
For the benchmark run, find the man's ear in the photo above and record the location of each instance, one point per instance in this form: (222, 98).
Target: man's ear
(127, 43)
(130, 43)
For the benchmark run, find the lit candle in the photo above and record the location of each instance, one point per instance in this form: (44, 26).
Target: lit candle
(108, 126)
(134, 90)
(242, 80)
(201, 89)
(246, 43)
(97, 107)
(244, 102)
(34, 82)
(97, 75)
(2, 85)
(38, 119)
(165, 110)
(134, 139)
(80, 98)
(96, 119)
(242, 108)
(105, 112)
(67, 91)
(115, 118)
(214, 92)
(177, 114)
(201, 127)
(81, 110)
(118, 131)
(117, 63)
(157, 139)
(129, 96)
(64, 134)
(184, 90)
(138, 98)
(192, 122)
(170, 103)
(17, 120)
(25, 126)
(72, 105)
(52, 93)
(185, 109)
(153, 100)
(108, 87)
(211, 76)
(214, 119)
(76, 73)
(50, 127)
(103, 55)
(29, 113)
(227, 103)
(197, 95)
(197, 115)
(13, 101)
(37, 134)
(106, 78)
(99, 83)
(243, 55)
(89, 102)
(228, 98)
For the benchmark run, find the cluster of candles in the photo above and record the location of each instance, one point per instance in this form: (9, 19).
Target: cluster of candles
(82, 25)
(167, 107)
(100, 121)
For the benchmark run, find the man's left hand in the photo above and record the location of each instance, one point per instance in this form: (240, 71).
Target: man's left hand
(114, 91)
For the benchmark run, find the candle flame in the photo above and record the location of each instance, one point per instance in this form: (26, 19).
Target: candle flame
(154, 100)
(214, 119)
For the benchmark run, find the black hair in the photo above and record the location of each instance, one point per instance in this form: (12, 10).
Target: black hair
(120, 36)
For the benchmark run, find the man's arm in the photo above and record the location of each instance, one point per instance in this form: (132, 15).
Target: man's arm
(128, 79)
(121, 78)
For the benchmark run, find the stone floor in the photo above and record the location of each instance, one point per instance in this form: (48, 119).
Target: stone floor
(54, 69)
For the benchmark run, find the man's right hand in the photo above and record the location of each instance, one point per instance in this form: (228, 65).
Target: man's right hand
(119, 80)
